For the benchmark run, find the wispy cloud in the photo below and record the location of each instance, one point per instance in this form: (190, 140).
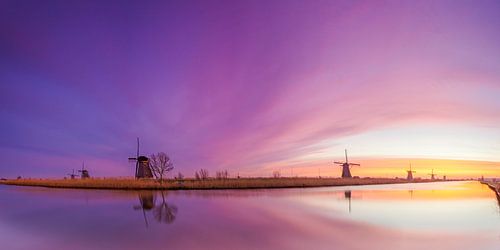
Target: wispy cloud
(242, 86)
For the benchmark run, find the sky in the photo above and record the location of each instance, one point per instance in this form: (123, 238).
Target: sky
(250, 86)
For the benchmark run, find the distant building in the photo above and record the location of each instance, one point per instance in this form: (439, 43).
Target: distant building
(84, 174)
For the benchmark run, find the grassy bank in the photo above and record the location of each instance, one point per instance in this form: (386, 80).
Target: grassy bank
(241, 183)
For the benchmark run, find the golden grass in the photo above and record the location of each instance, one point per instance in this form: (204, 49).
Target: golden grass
(233, 183)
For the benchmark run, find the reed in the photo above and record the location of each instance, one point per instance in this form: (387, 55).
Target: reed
(231, 183)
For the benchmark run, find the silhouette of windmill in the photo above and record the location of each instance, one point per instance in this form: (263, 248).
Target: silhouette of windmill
(84, 173)
(409, 177)
(433, 176)
(142, 169)
(346, 172)
(147, 201)
(347, 196)
(73, 175)
(411, 193)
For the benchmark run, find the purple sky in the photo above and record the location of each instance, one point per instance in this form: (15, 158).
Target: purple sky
(248, 86)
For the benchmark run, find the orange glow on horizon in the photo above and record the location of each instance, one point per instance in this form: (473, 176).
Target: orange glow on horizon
(391, 168)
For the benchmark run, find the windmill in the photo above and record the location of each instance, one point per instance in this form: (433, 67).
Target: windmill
(73, 175)
(147, 201)
(142, 169)
(433, 176)
(346, 172)
(409, 177)
(84, 173)
(347, 195)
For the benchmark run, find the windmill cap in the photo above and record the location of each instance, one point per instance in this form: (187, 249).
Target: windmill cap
(142, 158)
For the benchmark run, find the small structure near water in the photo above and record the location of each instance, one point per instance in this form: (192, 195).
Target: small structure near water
(409, 177)
(433, 176)
(346, 172)
(142, 169)
(72, 175)
(84, 173)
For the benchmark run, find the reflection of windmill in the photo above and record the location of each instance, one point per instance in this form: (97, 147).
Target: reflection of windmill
(147, 202)
(411, 193)
(409, 177)
(433, 176)
(346, 172)
(142, 169)
(164, 212)
(347, 195)
(84, 173)
(73, 175)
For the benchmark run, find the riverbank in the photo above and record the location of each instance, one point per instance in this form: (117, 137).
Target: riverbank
(495, 186)
(189, 184)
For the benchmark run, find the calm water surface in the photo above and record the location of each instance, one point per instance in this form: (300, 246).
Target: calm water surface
(451, 215)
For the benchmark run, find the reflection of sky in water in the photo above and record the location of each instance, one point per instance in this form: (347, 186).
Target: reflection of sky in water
(433, 216)
(460, 207)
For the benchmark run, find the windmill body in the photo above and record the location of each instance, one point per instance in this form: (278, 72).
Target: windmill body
(84, 173)
(346, 172)
(142, 169)
(409, 177)
(433, 176)
(346, 167)
(73, 175)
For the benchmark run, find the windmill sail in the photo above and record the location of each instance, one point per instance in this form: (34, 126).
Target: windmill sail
(410, 172)
(346, 172)
(142, 169)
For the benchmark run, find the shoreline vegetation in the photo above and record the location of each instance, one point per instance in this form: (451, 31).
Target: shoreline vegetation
(211, 183)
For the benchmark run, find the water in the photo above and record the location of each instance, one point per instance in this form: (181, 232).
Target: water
(451, 215)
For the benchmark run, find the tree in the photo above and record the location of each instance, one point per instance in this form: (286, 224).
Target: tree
(160, 165)
(276, 174)
(222, 175)
(165, 212)
(201, 175)
(179, 176)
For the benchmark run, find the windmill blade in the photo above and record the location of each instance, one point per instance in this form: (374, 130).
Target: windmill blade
(338, 162)
(136, 168)
(137, 147)
(354, 164)
(346, 161)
